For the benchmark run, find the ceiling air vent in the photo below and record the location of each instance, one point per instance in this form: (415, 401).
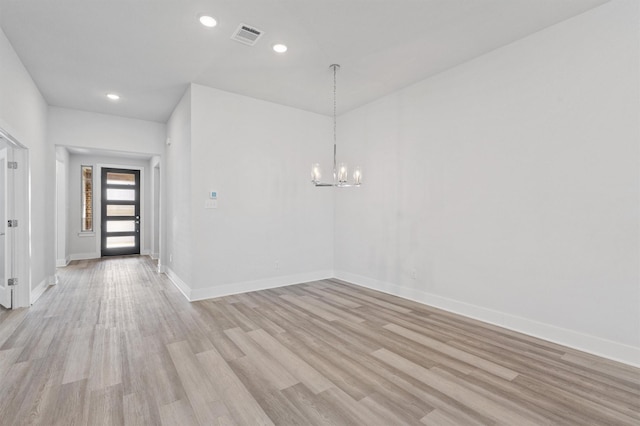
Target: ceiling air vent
(246, 34)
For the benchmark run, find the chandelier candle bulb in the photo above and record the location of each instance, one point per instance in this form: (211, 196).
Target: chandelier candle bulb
(343, 173)
(357, 176)
(316, 174)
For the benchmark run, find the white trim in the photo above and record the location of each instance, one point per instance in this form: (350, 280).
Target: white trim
(61, 263)
(145, 252)
(86, 234)
(196, 294)
(22, 246)
(264, 284)
(155, 215)
(61, 237)
(573, 339)
(84, 256)
(41, 288)
(7, 247)
(97, 195)
(177, 281)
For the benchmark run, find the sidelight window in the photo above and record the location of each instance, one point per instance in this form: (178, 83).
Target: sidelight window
(87, 198)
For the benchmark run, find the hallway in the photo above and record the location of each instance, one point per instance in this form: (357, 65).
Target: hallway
(116, 343)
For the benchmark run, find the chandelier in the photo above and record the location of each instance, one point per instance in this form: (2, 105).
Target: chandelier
(340, 171)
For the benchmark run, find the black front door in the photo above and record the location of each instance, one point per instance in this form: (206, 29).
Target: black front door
(120, 212)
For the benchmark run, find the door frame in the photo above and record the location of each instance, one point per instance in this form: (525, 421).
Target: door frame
(21, 296)
(97, 195)
(136, 217)
(7, 190)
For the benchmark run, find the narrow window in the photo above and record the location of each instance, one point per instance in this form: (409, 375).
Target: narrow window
(87, 198)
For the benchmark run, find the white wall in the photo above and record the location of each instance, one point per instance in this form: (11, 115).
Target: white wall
(23, 113)
(271, 227)
(107, 139)
(507, 188)
(176, 256)
(87, 245)
(70, 127)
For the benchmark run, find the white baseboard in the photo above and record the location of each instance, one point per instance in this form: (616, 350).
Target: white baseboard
(247, 286)
(85, 256)
(145, 252)
(61, 263)
(177, 281)
(41, 288)
(155, 256)
(196, 294)
(580, 341)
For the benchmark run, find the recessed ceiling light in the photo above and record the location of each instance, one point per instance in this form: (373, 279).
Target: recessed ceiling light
(208, 21)
(113, 96)
(279, 48)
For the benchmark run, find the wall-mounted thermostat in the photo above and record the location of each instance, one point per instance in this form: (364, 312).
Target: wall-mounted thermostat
(212, 201)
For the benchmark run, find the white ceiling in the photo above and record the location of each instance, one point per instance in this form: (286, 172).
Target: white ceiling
(149, 50)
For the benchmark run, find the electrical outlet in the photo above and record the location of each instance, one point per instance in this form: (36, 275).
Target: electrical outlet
(414, 274)
(277, 265)
(170, 257)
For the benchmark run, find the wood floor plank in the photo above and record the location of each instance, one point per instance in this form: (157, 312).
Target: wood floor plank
(316, 410)
(370, 299)
(441, 418)
(79, 360)
(383, 413)
(343, 314)
(106, 406)
(72, 405)
(241, 404)
(116, 343)
(332, 297)
(11, 320)
(270, 367)
(201, 393)
(178, 413)
(159, 375)
(453, 352)
(280, 410)
(106, 364)
(139, 410)
(311, 308)
(450, 387)
(305, 373)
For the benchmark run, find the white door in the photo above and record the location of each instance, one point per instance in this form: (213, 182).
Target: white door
(6, 235)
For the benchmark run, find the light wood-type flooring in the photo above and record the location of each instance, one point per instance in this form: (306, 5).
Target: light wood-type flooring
(115, 343)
